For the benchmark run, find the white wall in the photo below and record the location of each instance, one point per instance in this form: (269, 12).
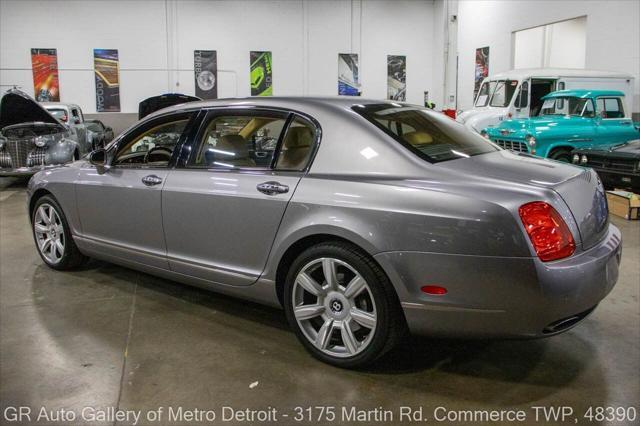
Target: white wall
(156, 39)
(613, 35)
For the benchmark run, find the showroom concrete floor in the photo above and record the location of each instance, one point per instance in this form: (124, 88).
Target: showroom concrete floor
(108, 336)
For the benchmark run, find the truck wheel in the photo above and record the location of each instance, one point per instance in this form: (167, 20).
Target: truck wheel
(561, 154)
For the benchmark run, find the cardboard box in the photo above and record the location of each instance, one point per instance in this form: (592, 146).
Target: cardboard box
(624, 204)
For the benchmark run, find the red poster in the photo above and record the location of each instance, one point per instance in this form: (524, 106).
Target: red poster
(44, 63)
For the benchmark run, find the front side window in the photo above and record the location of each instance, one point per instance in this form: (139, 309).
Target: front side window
(610, 107)
(568, 105)
(522, 100)
(432, 136)
(59, 114)
(503, 93)
(239, 141)
(154, 145)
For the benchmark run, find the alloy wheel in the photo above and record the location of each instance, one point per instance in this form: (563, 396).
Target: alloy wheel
(49, 232)
(334, 307)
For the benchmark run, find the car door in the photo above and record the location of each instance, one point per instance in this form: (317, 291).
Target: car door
(120, 210)
(613, 126)
(221, 211)
(77, 122)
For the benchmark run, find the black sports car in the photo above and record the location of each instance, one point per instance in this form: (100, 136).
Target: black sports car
(618, 166)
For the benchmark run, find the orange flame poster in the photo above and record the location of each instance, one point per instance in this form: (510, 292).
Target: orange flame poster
(44, 63)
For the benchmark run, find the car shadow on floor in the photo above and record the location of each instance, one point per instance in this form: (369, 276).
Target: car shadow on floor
(507, 361)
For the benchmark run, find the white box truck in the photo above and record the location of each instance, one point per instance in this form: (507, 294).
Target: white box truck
(518, 93)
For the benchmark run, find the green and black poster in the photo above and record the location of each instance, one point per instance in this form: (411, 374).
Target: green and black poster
(205, 66)
(261, 74)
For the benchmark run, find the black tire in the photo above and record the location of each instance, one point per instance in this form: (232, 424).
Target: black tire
(390, 324)
(71, 257)
(562, 154)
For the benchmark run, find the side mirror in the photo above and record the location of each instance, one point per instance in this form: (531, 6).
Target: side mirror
(99, 159)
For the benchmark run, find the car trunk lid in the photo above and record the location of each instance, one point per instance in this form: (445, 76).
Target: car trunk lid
(580, 188)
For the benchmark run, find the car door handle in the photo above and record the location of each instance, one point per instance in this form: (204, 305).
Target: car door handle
(272, 188)
(151, 180)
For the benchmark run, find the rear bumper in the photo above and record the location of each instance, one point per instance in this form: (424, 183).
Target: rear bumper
(502, 297)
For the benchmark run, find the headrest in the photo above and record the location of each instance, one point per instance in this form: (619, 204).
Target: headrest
(418, 138)
(235, 144)
(299, 137)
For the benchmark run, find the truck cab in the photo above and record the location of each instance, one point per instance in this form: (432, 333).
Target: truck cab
(519, 93)
(568, 120)
(71, 115)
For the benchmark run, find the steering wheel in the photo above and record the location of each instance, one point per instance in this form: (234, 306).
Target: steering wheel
(158, 153)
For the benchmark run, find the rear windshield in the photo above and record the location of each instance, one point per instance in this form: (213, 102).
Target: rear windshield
(430, 135)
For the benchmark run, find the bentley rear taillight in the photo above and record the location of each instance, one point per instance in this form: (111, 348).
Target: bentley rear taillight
(549, 234)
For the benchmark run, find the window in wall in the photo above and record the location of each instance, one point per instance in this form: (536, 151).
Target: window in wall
(561, 44)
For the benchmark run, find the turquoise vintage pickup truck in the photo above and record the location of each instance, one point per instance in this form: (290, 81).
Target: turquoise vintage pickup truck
(568, 120)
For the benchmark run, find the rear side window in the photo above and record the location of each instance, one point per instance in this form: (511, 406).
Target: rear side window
(239, 141)
(296, 146)
(432, 136)
(610, 107)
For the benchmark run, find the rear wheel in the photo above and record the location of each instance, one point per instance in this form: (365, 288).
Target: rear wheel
(53, 237)
(562, 154)
(342, 306)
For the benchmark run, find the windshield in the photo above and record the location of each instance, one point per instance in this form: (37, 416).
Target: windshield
(568, 105)
(503, 93)
(484, 93)
(430, 135)
(58, 114)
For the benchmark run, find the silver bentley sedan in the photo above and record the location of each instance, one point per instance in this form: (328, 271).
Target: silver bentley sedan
(362, 218)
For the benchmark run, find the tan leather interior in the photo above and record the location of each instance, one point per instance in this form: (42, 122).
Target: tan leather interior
(418, 138)
(296, 148)
(233, 144)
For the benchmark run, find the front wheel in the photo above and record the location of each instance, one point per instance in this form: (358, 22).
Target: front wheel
(563, 155)
(52, 235)
(342, 306)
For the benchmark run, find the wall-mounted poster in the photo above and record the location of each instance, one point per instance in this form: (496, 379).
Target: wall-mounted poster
(107, 75)
(205, 67)
(397, 77)
(482, 68)
(44, 64)
(261, 74)
(348, 75)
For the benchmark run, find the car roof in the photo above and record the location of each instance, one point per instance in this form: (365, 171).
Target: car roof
(583, 93)
(295, 103)
(58, 105)
(556, 72)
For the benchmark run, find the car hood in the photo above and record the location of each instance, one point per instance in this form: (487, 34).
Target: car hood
(519, 127)
(629, 149)
(17, 107)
